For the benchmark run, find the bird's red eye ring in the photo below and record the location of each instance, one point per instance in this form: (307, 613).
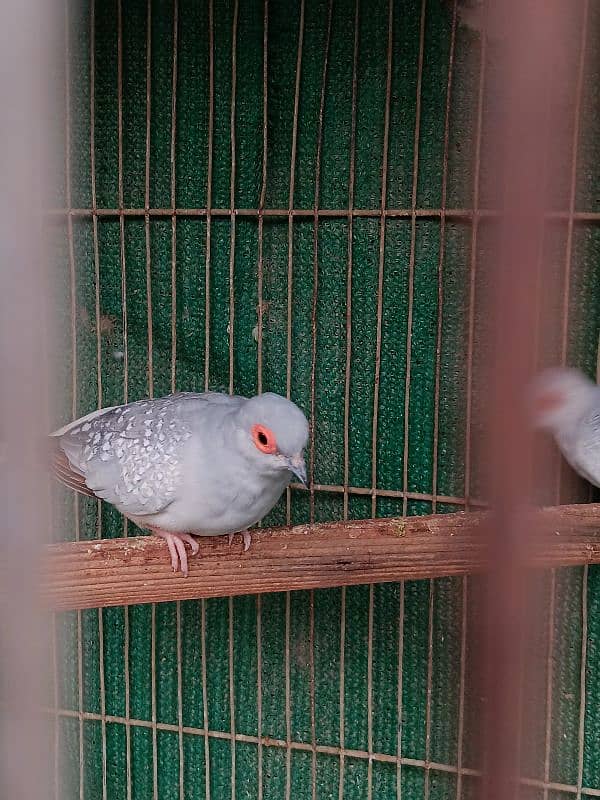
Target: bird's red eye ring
(264, 439)
(549, 401)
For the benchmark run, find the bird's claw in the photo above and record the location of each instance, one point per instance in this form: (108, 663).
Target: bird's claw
(246, 536)
(176, 543)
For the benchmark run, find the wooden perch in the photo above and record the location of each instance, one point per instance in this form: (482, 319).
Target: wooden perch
(115, 572)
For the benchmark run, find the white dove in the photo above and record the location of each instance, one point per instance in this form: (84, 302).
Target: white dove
(567, 404)
(187, 464)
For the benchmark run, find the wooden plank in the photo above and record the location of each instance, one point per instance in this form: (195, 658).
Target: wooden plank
(114, 572)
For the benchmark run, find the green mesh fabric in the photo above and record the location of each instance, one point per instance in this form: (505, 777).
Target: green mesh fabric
(149, 696)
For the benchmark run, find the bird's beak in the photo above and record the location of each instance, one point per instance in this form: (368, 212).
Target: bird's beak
(298, 467)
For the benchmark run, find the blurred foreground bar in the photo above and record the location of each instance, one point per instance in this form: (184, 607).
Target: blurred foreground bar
(26, 42)
(531, 67)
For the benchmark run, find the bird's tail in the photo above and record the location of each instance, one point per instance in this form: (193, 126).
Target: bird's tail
(63, 471)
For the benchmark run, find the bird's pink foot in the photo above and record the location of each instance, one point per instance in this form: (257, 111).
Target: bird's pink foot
(246, 536)
(176, 543)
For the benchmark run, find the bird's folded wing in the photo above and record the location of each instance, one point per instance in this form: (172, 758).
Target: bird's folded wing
(129, 456)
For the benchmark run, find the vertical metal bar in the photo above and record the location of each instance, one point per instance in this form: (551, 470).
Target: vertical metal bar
(411, 263)
(313, 360)
(290, 270)
(231, 354)
(473, 267)
(74, 396)
(125, 359)
(291, 201)
(259, 715)
(98, 360)
(72, 272)
(205, 701)
(313, 368)
(411, 271)
(149, 323)
(384, 172)
(370, 692)
(400, 684)
(180, 700)
(351, 182)
(121, 205)
(153, 710)
(209, 177)
(173, 197)
(342, 692)
(539, 277)
(261, 204)
(377, 376)
(211, 113)
(150, 326)
(582, 681)
(440, 314)
(347, 384)
(95, 216)
(461, 688)
(573, 182)
(313, 713)
(566, 289)
(438, 349)
(232, 700)
(261, 201)
(288, 693)
(426, 786)
(232, 194)
(174, 68)
(72, 275)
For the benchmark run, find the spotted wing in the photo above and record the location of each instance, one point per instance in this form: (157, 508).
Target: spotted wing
(129, 455)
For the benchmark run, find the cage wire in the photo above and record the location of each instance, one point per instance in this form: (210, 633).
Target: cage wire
(293, 197)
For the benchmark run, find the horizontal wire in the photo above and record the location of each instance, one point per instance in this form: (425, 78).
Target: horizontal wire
(267, 741)
(309, 213)
(391, 493)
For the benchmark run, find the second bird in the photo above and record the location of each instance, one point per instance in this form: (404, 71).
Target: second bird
(567, 404)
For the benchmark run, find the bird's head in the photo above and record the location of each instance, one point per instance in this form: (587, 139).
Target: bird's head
(273, 434)
(558, 397)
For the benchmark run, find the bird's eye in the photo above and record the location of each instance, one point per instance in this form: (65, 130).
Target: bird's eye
(264, 439)
(549, 401)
